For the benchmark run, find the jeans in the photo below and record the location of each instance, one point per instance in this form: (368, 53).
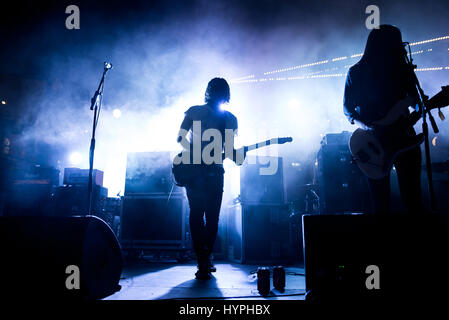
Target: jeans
(205, 195)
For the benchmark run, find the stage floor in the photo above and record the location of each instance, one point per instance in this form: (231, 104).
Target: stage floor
(154, 280)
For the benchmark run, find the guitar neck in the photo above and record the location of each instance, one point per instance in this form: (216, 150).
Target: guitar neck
(256, 146)
(260, 145)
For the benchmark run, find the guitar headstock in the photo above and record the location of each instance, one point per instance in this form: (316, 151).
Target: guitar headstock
(440, 100)
(285, 140)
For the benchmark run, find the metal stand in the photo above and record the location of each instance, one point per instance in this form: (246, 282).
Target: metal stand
(96, 106)
(422, 100)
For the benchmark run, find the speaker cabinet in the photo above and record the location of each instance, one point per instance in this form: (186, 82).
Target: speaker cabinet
(342, 186)
(258, 233)
(149, 172)
(261, 180)
(154, 221)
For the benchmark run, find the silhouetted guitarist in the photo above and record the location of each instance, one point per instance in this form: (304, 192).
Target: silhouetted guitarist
(373, 86)
(205, 191)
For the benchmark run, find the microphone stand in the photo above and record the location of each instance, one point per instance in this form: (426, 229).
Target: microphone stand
(422, 101)
(96, 107)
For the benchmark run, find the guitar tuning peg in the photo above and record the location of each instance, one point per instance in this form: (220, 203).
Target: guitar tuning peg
(441, 115)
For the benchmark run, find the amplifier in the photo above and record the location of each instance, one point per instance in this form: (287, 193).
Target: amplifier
(258, 234)
(154, 222)
(342, 186)
(261, 180)
(72, 200)
(149, 172)
(77, 176)
(28, 198)
(27, 189)
(336, 138)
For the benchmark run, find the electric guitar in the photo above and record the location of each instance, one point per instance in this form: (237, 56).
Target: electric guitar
(375, 149)
(184, 173)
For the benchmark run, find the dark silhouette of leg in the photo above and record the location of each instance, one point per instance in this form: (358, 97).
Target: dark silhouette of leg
(213, 204)
(380, 194)
(196, 222)
(408, 168)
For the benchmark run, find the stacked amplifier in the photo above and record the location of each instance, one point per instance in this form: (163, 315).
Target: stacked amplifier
(342, 186)
(258, 226)
(27, 188)
(71, 199)
(154, 210)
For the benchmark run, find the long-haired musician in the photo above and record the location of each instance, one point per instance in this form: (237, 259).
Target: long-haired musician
(373, 86)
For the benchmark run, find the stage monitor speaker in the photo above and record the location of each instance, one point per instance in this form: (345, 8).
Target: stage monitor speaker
(37, 253)
(340, 252)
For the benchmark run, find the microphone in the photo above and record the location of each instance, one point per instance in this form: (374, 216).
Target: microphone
(107, 65)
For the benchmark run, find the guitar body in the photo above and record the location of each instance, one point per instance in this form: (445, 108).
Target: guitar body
(184, 174)
(375, 155)
(374, 150)
(369, 154)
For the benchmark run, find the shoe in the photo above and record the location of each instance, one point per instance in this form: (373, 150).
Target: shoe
(202, 274)
(212, 267)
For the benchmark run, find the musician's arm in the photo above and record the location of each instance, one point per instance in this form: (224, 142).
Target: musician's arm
(351, 108)
(349, 103)
(186, 125)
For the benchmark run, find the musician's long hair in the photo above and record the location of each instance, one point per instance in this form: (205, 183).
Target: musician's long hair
(384, 50)
(217, 91)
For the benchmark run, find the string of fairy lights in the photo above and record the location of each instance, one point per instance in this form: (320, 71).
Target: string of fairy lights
(273, 75)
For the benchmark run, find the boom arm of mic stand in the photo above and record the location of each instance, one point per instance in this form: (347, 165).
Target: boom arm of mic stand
(94, 99)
